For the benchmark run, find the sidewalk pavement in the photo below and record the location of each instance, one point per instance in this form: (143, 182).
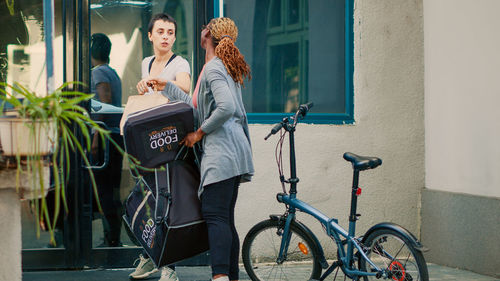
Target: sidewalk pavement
(202, 273)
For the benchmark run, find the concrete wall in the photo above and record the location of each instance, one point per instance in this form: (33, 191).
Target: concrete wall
(388, 104)
(10, 220)
(462, 94)
(461, 230)
(461, 208)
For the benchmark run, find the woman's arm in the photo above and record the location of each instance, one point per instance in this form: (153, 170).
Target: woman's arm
(173, 93)
(170, 90)
(183, 81)
(103, 91)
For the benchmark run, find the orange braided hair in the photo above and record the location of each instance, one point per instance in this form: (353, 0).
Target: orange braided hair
(224, 33)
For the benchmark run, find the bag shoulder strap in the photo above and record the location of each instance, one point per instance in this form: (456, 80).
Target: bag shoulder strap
(163, 195)
(153, 59)
(163, 191)
(184, 151)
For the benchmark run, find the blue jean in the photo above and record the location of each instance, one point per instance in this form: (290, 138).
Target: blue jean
(217, 207)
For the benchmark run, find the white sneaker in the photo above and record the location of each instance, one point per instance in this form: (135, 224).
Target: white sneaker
(144, 269)
(168, 274)
(223, 278)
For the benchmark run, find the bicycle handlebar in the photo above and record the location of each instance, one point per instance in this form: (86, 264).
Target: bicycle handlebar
(275, 129)
(304, 108)
(302, 111)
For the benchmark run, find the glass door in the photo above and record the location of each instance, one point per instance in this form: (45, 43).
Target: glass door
(119, 43)
(84, 236)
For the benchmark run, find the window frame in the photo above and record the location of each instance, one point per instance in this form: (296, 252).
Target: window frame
(319, 118)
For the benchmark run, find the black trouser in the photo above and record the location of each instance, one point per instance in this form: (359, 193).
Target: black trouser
(108, 186)
(217, 206)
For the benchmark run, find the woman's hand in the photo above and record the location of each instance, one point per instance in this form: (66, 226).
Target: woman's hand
(142, 86)
(156, 84)
(193, 138)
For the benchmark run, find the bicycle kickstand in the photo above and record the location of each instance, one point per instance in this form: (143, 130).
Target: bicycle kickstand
(332, 267)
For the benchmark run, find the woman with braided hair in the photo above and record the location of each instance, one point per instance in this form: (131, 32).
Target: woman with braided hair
(224, 136)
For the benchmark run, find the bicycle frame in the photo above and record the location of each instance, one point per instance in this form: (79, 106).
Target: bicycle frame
(333, 229)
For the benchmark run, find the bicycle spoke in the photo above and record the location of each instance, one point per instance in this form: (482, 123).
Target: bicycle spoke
(283, 273)
(390, 252)
(261, 255)
(276, 251)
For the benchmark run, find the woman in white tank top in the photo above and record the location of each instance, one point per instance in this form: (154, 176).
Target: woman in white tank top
(164, 64)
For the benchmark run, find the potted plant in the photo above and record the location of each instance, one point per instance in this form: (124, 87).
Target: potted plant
(37, 133)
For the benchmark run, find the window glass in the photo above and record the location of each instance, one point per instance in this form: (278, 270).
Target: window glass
(275, 10)
(302, 61)
(126, 25)
(285, 77)
(22, 46)
(293, 11)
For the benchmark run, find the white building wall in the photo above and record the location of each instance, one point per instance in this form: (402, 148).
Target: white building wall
(461, 202)
(462, 96)
(389, 114)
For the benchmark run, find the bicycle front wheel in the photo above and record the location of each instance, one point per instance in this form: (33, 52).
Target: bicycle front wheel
(391, 251)
(261, 249)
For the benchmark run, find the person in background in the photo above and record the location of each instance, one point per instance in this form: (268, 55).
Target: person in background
(164, 64)
(223, 132)
(107, 87)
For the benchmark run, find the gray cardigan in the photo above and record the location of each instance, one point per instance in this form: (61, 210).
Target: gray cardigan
(221, 115)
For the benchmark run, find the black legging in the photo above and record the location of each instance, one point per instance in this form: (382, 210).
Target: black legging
(217, 206)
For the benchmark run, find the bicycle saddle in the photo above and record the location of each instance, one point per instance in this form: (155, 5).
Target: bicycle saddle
(362, 162)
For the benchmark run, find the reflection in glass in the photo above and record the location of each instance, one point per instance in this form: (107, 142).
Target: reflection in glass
(22, 60)
(22, 47)
(285, 77)
(294, 59)
(275, 11)
(293, 11)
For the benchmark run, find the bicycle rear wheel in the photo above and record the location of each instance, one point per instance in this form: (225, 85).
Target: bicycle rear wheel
(261, 249)
(392, 251)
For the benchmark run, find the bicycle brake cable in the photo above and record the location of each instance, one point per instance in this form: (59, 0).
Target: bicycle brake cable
(279, 158)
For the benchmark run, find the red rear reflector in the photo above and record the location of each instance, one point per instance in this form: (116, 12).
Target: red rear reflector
(358, 191)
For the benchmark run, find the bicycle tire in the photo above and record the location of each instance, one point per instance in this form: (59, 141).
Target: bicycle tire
(389, 249)
(261, 248)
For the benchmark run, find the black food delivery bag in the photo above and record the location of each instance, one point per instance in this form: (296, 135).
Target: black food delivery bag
(164, 213)
(152, 136)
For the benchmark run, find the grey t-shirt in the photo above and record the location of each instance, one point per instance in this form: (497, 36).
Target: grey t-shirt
(178, 64)
(104, 73)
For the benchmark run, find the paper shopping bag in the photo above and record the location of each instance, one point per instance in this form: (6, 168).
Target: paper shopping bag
(141, 102)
